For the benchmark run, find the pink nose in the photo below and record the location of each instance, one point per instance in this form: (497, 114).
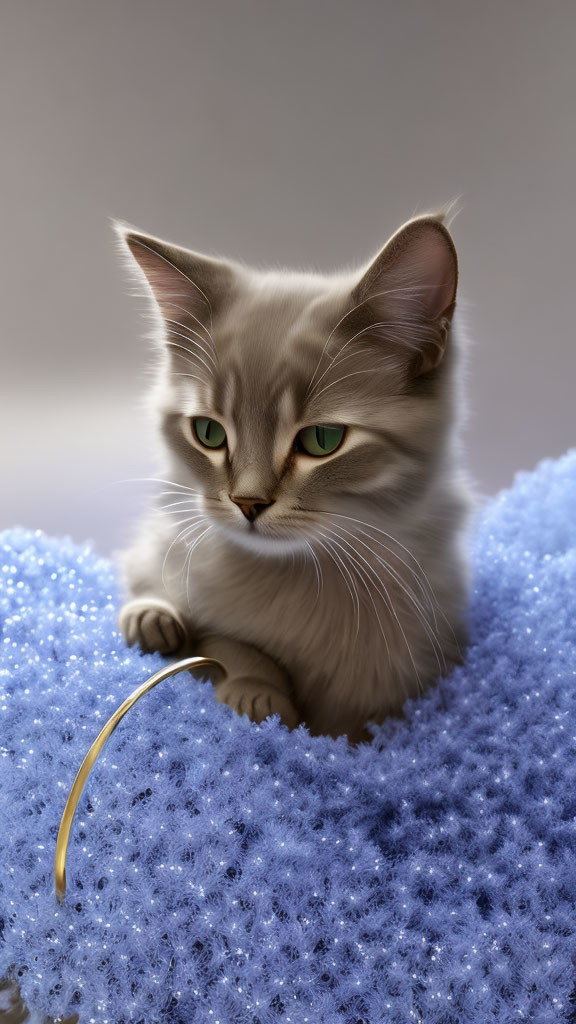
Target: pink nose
(250, 507)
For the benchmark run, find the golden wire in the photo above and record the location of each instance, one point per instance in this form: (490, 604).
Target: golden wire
(92, 755)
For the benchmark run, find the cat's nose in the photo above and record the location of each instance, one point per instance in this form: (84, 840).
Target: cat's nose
(250, 507)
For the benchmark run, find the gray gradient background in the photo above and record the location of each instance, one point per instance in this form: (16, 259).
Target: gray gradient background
(297, 133)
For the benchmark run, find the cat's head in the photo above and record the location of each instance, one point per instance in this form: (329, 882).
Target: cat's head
(284, 396)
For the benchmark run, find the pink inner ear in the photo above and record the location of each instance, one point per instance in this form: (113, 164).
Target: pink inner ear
(169, 285)
(425, 259)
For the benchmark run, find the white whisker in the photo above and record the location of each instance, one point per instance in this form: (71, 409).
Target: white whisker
(396, 575)
(370, 526)
(171, 506)
(192, 376)
(420, 577)
(368, 588)
(192, 341)
(427, 595)
(181, 498)
(190, 356)
(420, 613)
(351, 590)
(335, 358)
(153, 480)
(318, 568)
(346, 376)
(199, 322)
(369, 298)
(181, 537)
(188, 562)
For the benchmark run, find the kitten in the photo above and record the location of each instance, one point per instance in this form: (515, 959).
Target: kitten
(308, 531)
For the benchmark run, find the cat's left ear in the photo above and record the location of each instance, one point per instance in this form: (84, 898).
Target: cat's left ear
(179, 280)
(409, 291)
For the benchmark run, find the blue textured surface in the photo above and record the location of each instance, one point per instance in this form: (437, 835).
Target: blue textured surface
(224, 872)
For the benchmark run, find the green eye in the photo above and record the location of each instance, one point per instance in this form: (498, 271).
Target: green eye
(210, 433)
(320, 440)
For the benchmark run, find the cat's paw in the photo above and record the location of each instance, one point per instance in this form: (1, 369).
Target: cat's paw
(151, 624)
(257, 700)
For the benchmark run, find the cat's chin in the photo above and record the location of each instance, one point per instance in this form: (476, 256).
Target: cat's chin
(254, 539)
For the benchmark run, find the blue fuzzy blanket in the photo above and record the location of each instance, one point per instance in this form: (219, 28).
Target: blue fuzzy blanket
(225, 873)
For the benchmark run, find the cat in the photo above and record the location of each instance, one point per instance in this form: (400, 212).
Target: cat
(309, 530)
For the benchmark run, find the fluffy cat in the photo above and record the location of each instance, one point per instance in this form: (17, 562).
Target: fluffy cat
(308, 531)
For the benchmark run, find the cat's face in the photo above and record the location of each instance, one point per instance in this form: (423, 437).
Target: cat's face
(288, 397)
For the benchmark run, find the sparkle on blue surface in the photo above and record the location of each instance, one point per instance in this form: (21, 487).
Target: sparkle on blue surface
(222, 871)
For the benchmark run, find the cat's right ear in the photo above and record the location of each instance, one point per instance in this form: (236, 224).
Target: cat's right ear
(178, 280)
(409, 291)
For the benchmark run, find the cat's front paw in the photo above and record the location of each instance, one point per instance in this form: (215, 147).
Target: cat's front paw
(257, 700)
(151, 624)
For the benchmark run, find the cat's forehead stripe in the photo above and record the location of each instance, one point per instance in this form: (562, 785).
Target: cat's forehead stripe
(270, 398)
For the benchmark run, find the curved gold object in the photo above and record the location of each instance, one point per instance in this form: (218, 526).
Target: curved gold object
(91, 756)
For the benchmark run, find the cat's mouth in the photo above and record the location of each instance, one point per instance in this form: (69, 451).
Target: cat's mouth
(265, 534)
(271, 530)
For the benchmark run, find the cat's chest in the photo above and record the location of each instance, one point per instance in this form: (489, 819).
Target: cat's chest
(319, 628)
(258, 601)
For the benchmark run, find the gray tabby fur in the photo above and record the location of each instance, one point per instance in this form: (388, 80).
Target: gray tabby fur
(348, 593)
